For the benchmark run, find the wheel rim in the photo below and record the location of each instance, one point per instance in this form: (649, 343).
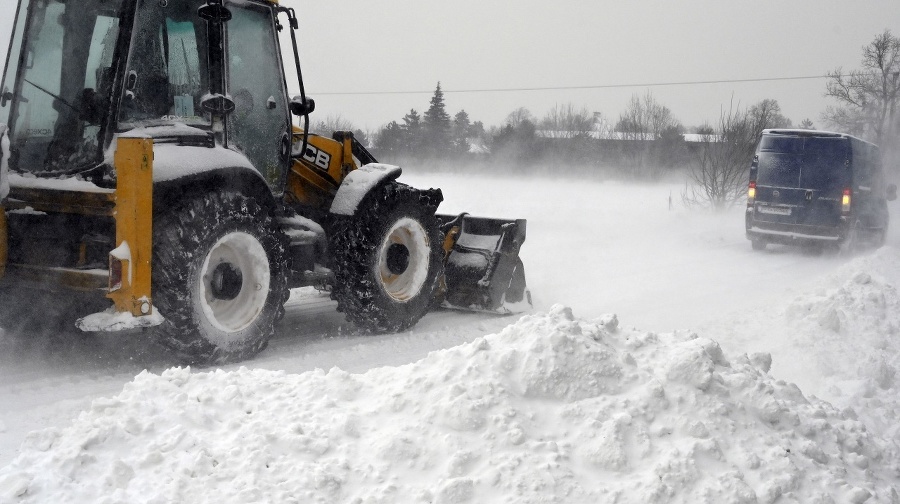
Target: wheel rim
(234, 282)
(403, 260)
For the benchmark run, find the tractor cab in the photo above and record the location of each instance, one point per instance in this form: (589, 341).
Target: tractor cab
(152, 161)
(80, 73)
(57, 83)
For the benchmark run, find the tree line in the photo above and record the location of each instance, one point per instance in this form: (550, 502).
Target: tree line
(645, 141)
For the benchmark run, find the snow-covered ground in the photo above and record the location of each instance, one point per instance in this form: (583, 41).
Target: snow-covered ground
(664, 362)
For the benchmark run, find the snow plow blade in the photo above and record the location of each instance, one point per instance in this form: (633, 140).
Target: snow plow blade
(482, 270)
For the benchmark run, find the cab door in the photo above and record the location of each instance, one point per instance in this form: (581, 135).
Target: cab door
(259, 126)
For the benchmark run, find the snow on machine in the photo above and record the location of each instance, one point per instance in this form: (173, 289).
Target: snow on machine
(149, 156)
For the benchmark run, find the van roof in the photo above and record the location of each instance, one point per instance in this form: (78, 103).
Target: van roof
(815, 133)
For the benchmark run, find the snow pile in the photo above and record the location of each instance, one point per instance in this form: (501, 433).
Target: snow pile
(112, 320)
(848, 333)
(30, 181)
(838, 340)
(551, 409)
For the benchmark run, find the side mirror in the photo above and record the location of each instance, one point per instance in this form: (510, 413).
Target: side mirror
(891, 192)
(302, 108)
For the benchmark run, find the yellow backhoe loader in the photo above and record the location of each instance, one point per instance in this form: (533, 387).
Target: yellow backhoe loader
(150, 156)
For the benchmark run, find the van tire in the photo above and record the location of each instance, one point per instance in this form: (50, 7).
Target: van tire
(758, 244)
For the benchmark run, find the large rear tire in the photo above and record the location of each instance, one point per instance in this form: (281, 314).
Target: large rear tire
(219, 265)
(386, 259)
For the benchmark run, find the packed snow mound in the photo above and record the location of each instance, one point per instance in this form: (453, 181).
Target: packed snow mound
(840, 340)
(551, 409)
(842, 325)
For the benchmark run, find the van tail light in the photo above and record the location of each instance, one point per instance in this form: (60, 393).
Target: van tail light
(751, 193)
(845, 201)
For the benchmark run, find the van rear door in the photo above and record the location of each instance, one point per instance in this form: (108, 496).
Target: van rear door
(800, 179)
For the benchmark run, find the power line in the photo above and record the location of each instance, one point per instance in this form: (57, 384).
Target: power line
(564, 88)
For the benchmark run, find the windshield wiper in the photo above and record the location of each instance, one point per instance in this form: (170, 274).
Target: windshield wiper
(60, 98)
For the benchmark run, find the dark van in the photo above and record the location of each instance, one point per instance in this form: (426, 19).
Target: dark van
(815, 188)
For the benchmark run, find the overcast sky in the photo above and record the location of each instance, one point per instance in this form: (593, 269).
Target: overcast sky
(372, 46)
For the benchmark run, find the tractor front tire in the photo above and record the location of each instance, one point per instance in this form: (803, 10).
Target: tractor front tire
(219, 277)
(386, 259)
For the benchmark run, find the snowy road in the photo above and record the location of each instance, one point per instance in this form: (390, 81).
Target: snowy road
(596, 247)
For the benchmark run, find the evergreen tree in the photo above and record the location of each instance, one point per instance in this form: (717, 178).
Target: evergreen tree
(477, 129)
(519, 143)
(479, 137)
(437, 125)
(460, 133)
(390, 140)
(413, 139)
(361, 137)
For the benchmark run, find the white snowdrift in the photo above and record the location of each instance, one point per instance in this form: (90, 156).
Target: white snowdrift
(840, 341)
(551, 409)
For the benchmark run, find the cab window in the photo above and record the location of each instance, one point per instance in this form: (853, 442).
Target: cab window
(167, 76)
(61, 93)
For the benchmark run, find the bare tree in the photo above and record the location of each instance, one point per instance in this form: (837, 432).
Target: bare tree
(518, 116)
(766, 114)
(806, 124)
(869, 97)
(644, 122)
(704, 129)
(330, 124)
(718, 176)
(565, 121)
(602, 125)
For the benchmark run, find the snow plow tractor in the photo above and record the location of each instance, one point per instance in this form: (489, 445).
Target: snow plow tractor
(151, 157)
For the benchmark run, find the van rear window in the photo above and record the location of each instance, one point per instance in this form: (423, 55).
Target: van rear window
(805, 162)
(778, 169)
(785, 145)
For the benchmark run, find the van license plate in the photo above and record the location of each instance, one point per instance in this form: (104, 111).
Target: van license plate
(775, 210)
